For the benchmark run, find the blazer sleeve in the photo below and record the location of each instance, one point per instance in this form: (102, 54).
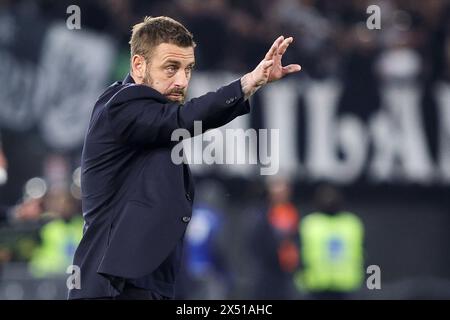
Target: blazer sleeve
(138, 115)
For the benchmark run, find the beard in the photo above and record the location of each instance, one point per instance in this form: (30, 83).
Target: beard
(180, 93)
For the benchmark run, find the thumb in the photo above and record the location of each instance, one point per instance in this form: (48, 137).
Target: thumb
(291, 68)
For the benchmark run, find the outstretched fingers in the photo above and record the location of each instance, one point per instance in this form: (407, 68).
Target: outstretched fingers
(273, 49)
(284, 45)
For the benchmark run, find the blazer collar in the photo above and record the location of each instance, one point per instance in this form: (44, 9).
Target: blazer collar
(128, 79)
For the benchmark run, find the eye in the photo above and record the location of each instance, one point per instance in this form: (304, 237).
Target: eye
(171, 69)
(189, 69)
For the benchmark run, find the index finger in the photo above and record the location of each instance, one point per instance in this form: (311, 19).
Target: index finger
(282, 48)
(273, 48)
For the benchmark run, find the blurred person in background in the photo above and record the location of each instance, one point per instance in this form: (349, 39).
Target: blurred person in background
(14, 245)
(28, 210)
(204, 273)
(59, 237)
(274, 243)
(332, 252)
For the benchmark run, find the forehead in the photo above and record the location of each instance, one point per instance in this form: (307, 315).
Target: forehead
(169, 52)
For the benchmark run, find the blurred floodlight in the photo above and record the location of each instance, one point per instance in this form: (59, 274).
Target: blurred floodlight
(76, 177)
(35, 188)
(75, 191)
(3, 176)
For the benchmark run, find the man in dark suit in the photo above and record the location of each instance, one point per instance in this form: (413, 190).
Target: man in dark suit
(136, 201)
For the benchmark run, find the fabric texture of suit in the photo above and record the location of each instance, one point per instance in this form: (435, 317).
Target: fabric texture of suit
(136, 201)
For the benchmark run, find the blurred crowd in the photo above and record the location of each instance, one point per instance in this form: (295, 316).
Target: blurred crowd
(273, 252)
(262, 248)
(331, 37)
(268, 256)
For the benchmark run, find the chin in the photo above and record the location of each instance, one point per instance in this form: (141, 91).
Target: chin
(179, 100)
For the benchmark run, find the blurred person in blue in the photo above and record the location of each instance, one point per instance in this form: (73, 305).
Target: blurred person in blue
(204, 274)
(332, 252)
(274, 243)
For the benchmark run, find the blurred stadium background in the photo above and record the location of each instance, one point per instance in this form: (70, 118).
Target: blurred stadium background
(365, 127)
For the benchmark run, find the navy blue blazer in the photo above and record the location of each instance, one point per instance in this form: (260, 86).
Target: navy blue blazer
(136, 201)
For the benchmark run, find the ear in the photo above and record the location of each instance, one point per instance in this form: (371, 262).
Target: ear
(138, 65)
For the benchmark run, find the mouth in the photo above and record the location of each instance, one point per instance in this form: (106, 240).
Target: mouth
(175, 96)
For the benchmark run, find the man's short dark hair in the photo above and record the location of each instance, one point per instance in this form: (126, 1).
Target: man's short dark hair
(153, 31)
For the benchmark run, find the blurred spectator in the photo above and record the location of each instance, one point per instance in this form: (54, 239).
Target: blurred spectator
(275, 243)
(332, 249)
(59, 237)
(204, 271)
(29, 210)
(19, 224)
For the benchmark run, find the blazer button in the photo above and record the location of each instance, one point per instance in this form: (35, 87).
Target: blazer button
(186, 219)
(188, 196)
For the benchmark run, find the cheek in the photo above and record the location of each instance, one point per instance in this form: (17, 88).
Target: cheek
(160, 84)
(169, 85)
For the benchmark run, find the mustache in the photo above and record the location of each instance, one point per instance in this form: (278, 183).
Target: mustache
(176, 91)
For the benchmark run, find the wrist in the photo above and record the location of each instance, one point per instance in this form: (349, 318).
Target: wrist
(249, 85)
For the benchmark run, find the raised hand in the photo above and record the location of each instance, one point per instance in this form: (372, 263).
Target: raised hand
(277, 71)
(270, 68)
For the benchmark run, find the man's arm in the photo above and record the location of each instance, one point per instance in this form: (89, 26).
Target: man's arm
(138, 117)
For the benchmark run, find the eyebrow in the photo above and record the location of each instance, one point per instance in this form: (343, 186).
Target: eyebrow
(177, 63)
(172, 62)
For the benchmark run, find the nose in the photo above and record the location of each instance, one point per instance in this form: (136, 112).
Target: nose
(181, 80)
